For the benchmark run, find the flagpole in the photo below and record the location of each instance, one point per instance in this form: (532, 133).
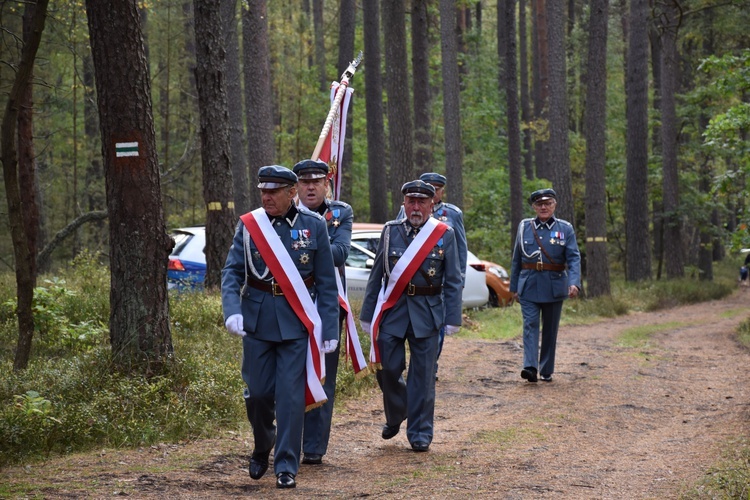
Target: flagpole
(340, 91)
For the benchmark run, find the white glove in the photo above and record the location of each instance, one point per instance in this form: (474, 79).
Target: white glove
(366, 327)
(329, 346)
(234, 324)
(450, 329)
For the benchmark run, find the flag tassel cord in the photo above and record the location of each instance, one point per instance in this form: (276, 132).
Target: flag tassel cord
(348, 74)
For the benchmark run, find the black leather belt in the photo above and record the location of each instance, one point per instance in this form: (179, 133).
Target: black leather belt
(543, 266)
(412, 290)
(273, 287)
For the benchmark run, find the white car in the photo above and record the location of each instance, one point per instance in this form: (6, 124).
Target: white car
(365, 239)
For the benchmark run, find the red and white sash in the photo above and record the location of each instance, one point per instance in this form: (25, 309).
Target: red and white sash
(353, 347)
(287, 275)
(401, 274)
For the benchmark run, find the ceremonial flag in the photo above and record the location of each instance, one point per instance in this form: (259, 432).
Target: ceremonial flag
(332, 151)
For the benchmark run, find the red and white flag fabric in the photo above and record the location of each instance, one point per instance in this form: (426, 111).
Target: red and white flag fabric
(332, 151)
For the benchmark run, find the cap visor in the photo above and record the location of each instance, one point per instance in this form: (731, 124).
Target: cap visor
(271, 185)
(311, 176)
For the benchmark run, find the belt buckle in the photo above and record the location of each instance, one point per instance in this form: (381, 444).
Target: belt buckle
(539, 266)
(411, 290)
(276, 289)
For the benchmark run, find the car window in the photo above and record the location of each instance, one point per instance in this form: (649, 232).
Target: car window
(357, 257)
(180, 241)
(368, 241)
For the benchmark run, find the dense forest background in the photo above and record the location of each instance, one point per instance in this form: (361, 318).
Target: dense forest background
(707, 40)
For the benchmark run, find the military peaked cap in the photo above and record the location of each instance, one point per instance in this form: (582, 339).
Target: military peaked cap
(541, 195)
(311, 169)
(275, 176)
(433, 178)
(418, 189)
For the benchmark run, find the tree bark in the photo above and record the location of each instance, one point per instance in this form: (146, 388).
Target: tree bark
(540, 83)
(258, 104)
(399, 107)
(376, 151)
(320, 46)
(528, 166)
(558, 159)
(420, 57)
(454, 151)
(210, 79)
(240, 182)
(347, 25)
(25, 265)
(595, 129)
(673, 244)
(638, 248)
(510, 83)
(139, 244)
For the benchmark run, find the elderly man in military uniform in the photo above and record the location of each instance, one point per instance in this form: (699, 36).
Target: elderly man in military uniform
(312, 186)
(414, 289)
(278, 292)
(546, 270)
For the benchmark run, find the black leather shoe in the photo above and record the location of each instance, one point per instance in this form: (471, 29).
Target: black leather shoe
(546, 378)
(420, 446)
(258, 466)
(529, 373)
(285, 480)
(312, 458)
(390, 430)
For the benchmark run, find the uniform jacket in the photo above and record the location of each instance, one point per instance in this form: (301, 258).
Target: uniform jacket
(427, 313)
(454, 217)
(339, 216)
(559, 240)
(268, 317)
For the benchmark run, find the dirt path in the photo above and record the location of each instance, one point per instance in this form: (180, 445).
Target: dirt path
(617, 422)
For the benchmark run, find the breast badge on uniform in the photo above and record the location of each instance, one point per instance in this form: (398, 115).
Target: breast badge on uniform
(300, 238)
(431, 272)
(304, 258)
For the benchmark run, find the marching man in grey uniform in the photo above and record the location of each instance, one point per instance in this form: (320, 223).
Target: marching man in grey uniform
(278, 292)
(454, 217)
(413, 290)
(312, 186)
(546, 270)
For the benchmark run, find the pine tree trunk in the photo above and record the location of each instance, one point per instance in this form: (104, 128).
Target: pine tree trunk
(638, 253)
(595, 128)
(399, 108)
(454, 150)
(210, 78)
(258, 105)
(139, 244)
(376, 152)
(420, 55)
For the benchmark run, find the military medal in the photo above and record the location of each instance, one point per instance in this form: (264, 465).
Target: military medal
(304, 258)
(440, 246)
(334, 214)
(552, 241)
(431, 272)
